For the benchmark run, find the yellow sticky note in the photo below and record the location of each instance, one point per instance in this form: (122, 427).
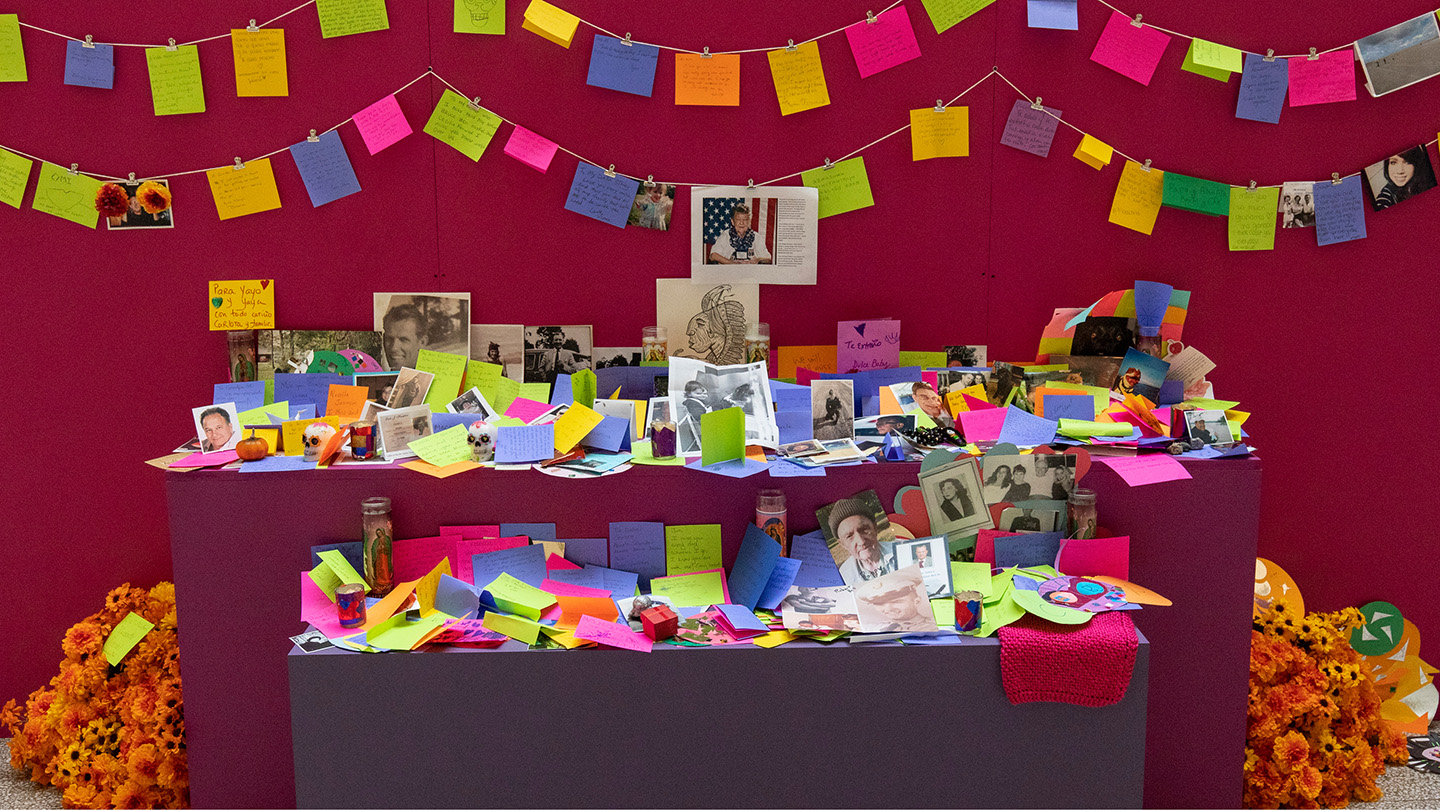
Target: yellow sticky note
(243, 191)
(12, 50)
(441, 472)
(711, 81)
(1252, 218)
(691, 590)
(1094, 152)
(939, 134)
(388, 606)
(324, 577)
(844, 186)
(65, 195)
(125, 636)
(774, 638)
(292, 433)
(1137, 198)
(449, 370)
(479, 17)
(565, 638)
(689, 549)
(259, 62)
(340, 567)
(14, 176)
(513, 596)
(467, 128)
(572, 426)
(341, 18)
(799, 78)
(426, 587)
(513, 626)
(175, 86)
(449, 446)
(550, 22)
(243, 305)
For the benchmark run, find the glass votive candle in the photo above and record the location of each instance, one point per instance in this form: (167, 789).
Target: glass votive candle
(350, 605)
(662, 439)
(654, 344)
(1080, 514)
(757, 343)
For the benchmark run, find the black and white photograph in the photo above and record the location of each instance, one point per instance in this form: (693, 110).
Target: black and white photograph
(1210, 427)
(217, 426)
(660, 410)
(1107, 336)
(1089, 369)
(1399, 177)
(554, 350)
(858, 533)
(501, 344)
(149, 207)
(472, 403)
(411, 386)
(836, 450)
(966, 356)
(610, 356)
(372, 410)
(285, 351)
(832, 409)
(1012, 479)
(706, 322)
(311, 641)
(953, 499)
(929, 554)
(820, 610)
(876, 428)
(1012, 387)
(1027, 519)
(1401, 55)
(765, 236)
(1297, 205)
(401, 426)
(698, 388)
(379, 384)
(808, 447)
(653, 206)
(409, 322)
(960, 378)
(895, 603)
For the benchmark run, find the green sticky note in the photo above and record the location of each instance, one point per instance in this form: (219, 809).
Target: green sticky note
(468, 129)
(643, 453)
(1202, 70)
(1101, 395)
(449, 370)
(324, 578)
(944, 610)
(442, 449)
(398, 633)
(513, 626)
(843, 187)
(945, 13)
(1206, 404)
(65, 195)
(125, 636)
(923, 359)
(1080, 429)
(971, 577)
(1194, 194)
(722, 435)
(691, 590)
(539, 392)
(506, 392)
(1217, 56)
(689, 549)
(1252, 218)
(583, 385)
(485, 376)
(480, 16)
(12, 50)
(262, 414)
(14, 176)
(341, 18)
(513, 596)
(1004, 611)
(507, 421)
(341, 567)
(175, 86)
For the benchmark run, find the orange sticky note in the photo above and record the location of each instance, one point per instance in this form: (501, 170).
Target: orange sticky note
(426, 587)
(712, 81)
(441, 472)
(242, 191)
(573, 607)
(346, 402)
(888, 402)
(390, 605)
(755, 453)
(816, 358)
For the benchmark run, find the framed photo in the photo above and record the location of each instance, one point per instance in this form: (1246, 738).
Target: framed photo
(931, 556)
(217, 427)
(409, 322)
(401, 426)
(380, 384)
(554, 350)
(960, 377)
(1013, 479)
(411, 386)
(472, 402)
(859, 535)
(372, 410)
(1210, 427)
(832, 409)
(953, 498)
(500, 344)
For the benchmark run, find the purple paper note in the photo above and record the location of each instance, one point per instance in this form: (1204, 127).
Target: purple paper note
(278, 464)
(1037, 548)
(1024, 429)
(583, 577)
(638, 546)
(867, 345)
(351, 551)
(381, 124)
(526, 563)
(753, 564)
(621, 584)
(735, 468)
(1058, 14)
(795, 426)
(588, 550)
(739, 621)
(611, 435)
(612, 634)
(598, 196)
(1070, 406)
(884, 43)
(1262, 89)
(818, 569)
(618, 65)
(782, 468)
(466, 549)
(1329, 78)
(1148, 469)
(533, 150)
(305, 389)
(1030, 130)
(1339, 212)
(519, 445)
(1130, 50)
(534, 531)
(245, 395)
(90, 67)
(325, 168)
(781, 578)
(786, 399)
(983, 426)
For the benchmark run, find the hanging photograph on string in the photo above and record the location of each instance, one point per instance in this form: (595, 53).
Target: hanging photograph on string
(1297, 205)
(1401, 55)
(653, 207)
(149, 207)
(764, 235)
(1399, 177)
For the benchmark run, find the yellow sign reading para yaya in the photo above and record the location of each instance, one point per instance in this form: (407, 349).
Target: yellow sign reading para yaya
(242, 304)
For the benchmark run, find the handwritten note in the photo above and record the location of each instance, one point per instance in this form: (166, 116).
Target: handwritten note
(799, 78)
(1262, 89)
(12, 50)
(881, 44)
(1094, 152)
(1058, 14)
(381, 124)
(1130, 50)
(1252, 221)
(341, 18)
(242, 305)
(14, 176)
(712, 81)
(598, 196)
(1028, 129)
(612, 635)
(482, 375)
(867, 345)
(468, 129)
(525, 563)
(946, 13)
(638, 546)
(65, 195)
(175, 86)
(554, 24)
(845, 186)
(1137, 198)
(754, 563)
(618, 65)
(572, 426)
(244, 191)
(533, 150)
(982, 426)
(689, 549)
(520, 445)
(1327, 79)
(449, 370)
(1025, 429)
(126, 635)
(260, 68)
(1339, 211)
(692, 590)
(1213, 59)
(325, 168)
(479, 17)
(815, 358)
(89, 67)
(442, 449)
(1151, 469)
(1197, 195)
(937, 134)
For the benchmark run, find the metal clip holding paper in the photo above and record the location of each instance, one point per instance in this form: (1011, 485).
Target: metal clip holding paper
(131, 181)
(626, 41)
(1036, 105)
(649, 181)
(1313, 56)
(1137, 21)
(1269, 55)
(239, 164)
(939, 105)
(475, 103)
(252, 27)
(88, 43)
(750, 185)
(1252, 186)
(791, 47)
(828, 165)
(610, 172)
(870, 17)
(1146, 167)
(172, 46)
(74, 168)
(312, 137)
(1334, 178)
(706, 54)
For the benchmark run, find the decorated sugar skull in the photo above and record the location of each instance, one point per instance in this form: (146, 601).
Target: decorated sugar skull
(314, 438)
(482, 440)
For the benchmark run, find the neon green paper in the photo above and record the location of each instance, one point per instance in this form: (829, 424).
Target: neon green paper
(324, 577)
(462, 126)
(845, 186)
(1217, 56)
(946, 13)
(1032, 602)
(262, 414)
(449, 370)
(1004, 611)
(14, 176)
(722, 435)
(341, 18)
(539, 392)
(583, 385)
(480, 17)
(12, 50)
(971, 577)
(1206, 404)
(1194, 64)
(175, 86)
(506, 392)
(125, 636)
(396, 633)
(642, 453)
(1252, 218)
(513, 596)
(341, 567)
(65, 195)
(689, 549)
(923, 359)
(1080, 429)
(513, 626)
(447, 447)
(486, 377)
(691, 590)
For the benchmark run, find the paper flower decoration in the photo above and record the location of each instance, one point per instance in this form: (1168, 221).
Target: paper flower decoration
(154, 197)
(111, 200)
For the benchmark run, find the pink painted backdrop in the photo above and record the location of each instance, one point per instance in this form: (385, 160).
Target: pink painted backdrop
(973, 250)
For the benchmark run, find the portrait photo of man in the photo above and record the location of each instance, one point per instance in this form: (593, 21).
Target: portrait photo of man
(860, 537)
(217, 427)
(896, 603)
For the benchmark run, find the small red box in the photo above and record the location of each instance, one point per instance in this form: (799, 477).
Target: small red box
(660, 622)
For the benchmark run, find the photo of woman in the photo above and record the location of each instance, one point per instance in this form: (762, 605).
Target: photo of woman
(1399, 177)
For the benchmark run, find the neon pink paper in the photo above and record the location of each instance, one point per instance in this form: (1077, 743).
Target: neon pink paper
(465, 550)
(1095, 556)
(415, 558)
(1130, 50)
(931, 378)
(612, 635)
(566, 589)
(533, 150)
(206, 459)
(883, 44)
(551, 613)
(982, 426)
(317, 609)
(1321, 81)
(1151, 469)
(381, 124)
(526, 409)
(979, 404)
(472, 532)
(554, 562)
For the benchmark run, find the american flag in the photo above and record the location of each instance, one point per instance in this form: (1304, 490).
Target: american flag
(717, 218)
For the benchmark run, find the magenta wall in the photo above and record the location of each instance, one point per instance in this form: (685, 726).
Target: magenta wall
(963, 250)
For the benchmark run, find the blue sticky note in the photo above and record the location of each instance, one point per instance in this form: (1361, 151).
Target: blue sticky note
(303, 411)
(607, 199)
(562, 392)
(610, 435)
(351, 551)
(528, 443)
(1262, 89)
(869, 406)
(792, 399)
(1339, 211)
(1069, 406)
(620, 584)
(795, 426)
(1039, 548)
(245, 395)
(782, 576)
(1026, 429)
(783, 468)
(526, 563)
(305, 389)
(1059, 14)
(89, 67)
(1026, 583)
(456, 598)
(1172, 392)
(534, 531)
(618, 66)
(819, 569)
(445, 421)
(1151, 300)
(753, 564)
(588, 551)
(776, 386)
(325, 168)
(735, 468)
(277, 464)
(638, 546)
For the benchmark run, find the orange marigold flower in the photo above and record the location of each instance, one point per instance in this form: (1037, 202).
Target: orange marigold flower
(1307, 781)
(154, 198)
(144, 764)
(1291, 751)
(111, 200)
(132, 795)
(79, 795)
(83, 639)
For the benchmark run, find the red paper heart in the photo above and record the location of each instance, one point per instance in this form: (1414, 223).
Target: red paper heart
(910, 511)
(1082, 461)
(264, 283)
(996, 509)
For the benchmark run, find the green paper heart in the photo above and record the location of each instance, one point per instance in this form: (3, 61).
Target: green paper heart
(216, 302)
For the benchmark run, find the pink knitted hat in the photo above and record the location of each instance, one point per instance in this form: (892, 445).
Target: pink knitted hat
(1084, 664)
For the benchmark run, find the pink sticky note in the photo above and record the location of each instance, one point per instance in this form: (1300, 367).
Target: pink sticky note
(867, 345)
(317, 609)
(465, 550)
(1130, 50)
(566, 589)
(206, 459)
(413, 559)
(1129, 418)
(982, 426)
(883, 44)
(1320, 81)
(472, 532)
(554, 562)
(1095, 556)
(526, 409)
(977, 404)
(552, 613)
(612, 635)
(381, 124)
(804, 376)
(1150, 469)
(535, 151)
(932, 378)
